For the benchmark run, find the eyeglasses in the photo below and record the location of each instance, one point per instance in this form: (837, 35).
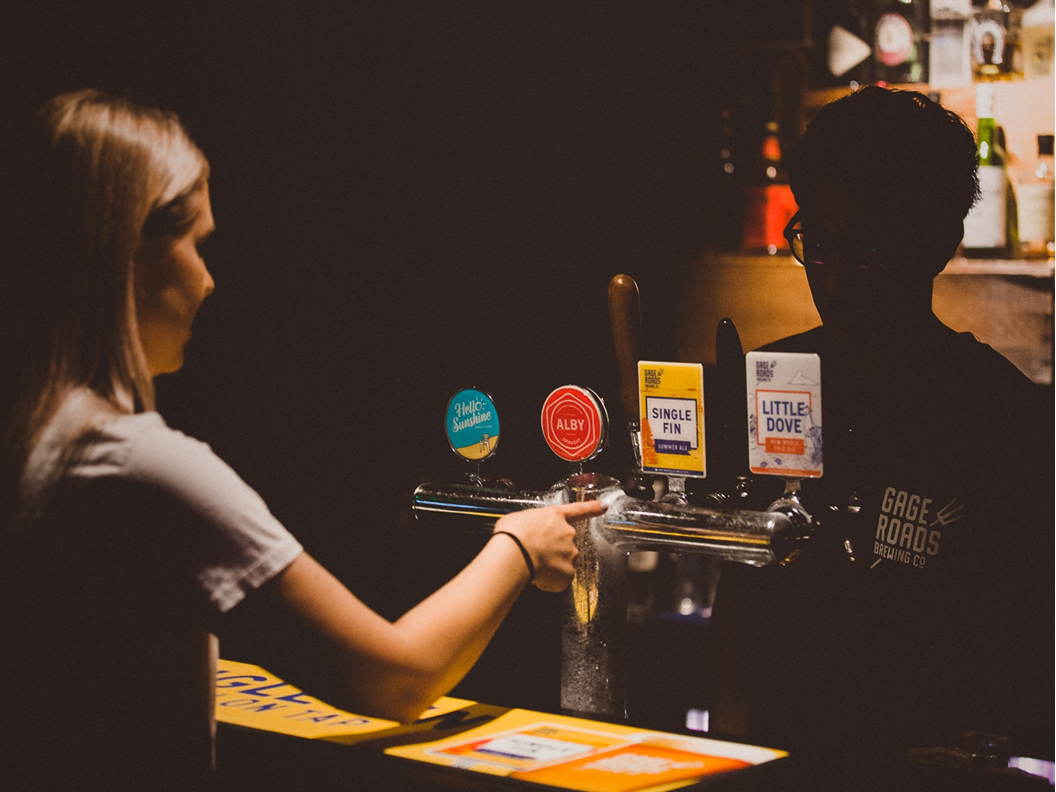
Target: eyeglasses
(816, 248)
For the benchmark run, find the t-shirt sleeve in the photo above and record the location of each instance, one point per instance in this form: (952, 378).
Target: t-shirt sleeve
(226, 538)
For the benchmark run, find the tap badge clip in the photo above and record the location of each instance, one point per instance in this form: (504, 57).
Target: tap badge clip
(472, 424)
(575, 423)
(784, 414)
(671, 411)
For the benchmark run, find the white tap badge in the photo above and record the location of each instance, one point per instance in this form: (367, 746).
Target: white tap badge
(784, 414)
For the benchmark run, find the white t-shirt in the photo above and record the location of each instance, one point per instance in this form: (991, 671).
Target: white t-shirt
(133, 540)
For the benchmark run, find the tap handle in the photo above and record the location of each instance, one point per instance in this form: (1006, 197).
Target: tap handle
(730, 392)
(625, 315)
(729, 359)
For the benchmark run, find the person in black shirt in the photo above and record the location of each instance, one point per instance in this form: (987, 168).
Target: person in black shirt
(922, 608)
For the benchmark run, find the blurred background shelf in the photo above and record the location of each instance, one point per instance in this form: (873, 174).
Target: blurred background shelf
(1007, 304)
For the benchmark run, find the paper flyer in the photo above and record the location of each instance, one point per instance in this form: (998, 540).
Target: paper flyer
(247, 695)
(578, 754)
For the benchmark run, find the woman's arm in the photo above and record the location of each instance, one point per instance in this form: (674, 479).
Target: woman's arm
(316, 633)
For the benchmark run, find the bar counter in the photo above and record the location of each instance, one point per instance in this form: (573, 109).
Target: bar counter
(272, 736)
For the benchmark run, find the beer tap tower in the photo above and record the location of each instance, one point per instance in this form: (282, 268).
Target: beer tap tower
(593, 676)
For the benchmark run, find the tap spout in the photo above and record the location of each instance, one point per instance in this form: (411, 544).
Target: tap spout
(747, 537)
(486, 502)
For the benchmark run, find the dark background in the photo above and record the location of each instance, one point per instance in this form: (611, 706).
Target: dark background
(412, 198)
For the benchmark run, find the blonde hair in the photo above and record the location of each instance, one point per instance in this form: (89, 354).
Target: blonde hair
(101, 174)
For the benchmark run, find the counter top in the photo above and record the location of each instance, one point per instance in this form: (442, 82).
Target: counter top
(275, 737)
(476, 744)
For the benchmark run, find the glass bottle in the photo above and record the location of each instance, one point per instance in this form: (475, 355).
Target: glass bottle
(849, 47)
(986, 226)
(996, 50)
(768, 200)
(950, 51)
(727, 215)
(900, 51)
(1038, 25)
(1036, 208)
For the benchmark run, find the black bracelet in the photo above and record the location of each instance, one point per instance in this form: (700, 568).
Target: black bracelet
(524, 552)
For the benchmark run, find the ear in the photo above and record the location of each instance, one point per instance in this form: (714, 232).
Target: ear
(138, 268)
(145, 263)
(946, 238)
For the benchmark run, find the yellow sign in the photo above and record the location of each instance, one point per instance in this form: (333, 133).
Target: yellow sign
(672, 417)
(247, 695)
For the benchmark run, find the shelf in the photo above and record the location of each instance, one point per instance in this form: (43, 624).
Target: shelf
(1032, 268)
(1006, 304)
(1025, 108)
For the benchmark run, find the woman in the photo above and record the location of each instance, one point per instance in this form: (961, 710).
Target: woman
(126, 545)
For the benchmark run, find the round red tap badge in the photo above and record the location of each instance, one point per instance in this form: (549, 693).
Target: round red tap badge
(574, 423)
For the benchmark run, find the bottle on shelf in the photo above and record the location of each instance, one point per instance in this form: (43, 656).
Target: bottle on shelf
(996, 47)
(727, 210)
(849, 47)
(1011, 207)
(900, 48)
(768, 202)
(1038, 26)
(950, 50)
(986, 226)
(1034, 195)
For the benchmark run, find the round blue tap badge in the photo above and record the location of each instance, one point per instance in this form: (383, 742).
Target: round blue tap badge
(472, 424)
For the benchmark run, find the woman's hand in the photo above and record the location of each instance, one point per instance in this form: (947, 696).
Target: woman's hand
(549, 538)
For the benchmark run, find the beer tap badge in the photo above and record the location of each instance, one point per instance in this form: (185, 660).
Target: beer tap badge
(672, 417)
(784, 413)
(575, 423)
(472, 424)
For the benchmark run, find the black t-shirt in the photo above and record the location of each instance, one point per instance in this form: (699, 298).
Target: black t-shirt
(924, 606)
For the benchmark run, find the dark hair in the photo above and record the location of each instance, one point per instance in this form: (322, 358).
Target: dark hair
(912, 161)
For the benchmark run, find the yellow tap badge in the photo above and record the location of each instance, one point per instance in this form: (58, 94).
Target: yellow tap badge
(671, 400)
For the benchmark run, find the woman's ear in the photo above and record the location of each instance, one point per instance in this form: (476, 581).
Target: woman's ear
(145, 264)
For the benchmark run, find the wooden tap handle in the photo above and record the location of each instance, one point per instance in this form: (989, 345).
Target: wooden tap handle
(625, 315)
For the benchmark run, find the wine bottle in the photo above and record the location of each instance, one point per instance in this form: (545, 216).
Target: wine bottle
(1036, 205)
(986, 226)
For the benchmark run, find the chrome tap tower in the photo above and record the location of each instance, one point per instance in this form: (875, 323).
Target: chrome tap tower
(593, 677)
